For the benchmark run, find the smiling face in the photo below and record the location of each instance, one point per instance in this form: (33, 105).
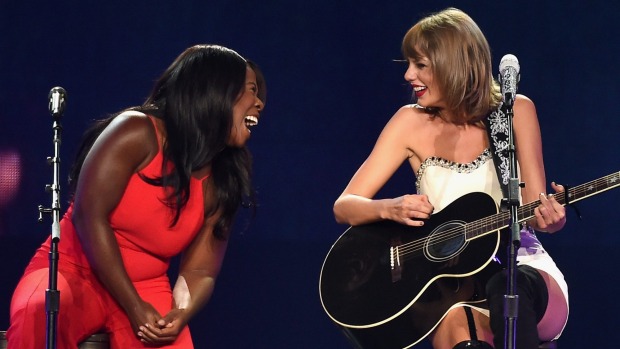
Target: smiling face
(246, 111)
(450, 66)
(419, 75)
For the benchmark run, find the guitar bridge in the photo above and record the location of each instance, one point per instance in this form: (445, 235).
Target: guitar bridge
(395, 265)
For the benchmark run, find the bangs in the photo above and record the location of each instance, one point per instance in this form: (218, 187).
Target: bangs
(414, 45)
(460, 61)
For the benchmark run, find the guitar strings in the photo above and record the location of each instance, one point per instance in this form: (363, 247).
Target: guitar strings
(500, 220)
(486, 225)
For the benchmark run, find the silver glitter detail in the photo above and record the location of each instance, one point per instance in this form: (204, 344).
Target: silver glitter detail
(451, 165)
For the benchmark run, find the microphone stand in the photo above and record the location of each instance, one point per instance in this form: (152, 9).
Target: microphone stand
(57, 98)
(511, 299)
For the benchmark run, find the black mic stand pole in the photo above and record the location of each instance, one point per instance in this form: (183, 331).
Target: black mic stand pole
(511, 299)
(57, 98)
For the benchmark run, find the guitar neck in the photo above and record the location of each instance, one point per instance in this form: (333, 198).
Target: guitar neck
(574, 194)
(526, 211)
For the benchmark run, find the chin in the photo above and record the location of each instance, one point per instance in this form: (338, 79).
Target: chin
(237, 144)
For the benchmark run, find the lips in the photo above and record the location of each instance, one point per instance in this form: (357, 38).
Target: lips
(419, 90)
(251, 121)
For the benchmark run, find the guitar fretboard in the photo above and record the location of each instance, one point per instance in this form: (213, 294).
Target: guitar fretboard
(572, 194)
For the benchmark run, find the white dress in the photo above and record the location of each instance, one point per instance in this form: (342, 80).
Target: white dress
(444, 181)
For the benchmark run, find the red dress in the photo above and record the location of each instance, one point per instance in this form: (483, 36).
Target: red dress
(141, 224)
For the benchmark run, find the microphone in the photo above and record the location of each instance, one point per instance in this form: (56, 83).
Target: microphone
(57, 97)
(509, 77)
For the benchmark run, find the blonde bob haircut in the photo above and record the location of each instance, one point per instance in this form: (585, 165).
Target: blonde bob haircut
(460, 62)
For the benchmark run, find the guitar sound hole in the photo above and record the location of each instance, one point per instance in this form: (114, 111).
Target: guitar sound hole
(446, 241)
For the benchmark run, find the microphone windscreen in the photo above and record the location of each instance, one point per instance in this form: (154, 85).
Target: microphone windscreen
(509, 61)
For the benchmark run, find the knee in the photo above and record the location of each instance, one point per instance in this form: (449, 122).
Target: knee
(528, 282)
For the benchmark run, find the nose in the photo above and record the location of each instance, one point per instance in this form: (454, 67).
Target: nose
(259, 104)
(410, 73)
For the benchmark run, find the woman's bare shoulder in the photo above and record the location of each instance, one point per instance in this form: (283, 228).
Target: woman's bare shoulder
(132, 124)
(410, 114)
(132, 135)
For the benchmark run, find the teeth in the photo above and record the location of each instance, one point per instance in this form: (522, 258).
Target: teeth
(251, 120)
(419, 88)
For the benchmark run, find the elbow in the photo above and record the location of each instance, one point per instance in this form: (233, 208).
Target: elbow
(352, 210)
(339, 214)
(343, 218)
(340, 219)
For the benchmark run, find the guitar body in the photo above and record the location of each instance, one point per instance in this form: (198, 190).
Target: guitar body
(388, 285)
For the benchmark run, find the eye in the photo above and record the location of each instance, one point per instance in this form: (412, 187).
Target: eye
(417, 64)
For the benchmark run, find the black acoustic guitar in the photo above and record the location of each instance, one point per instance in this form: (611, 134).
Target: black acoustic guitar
(388, 285)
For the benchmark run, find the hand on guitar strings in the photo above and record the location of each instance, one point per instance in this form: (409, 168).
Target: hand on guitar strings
(550, 215)
(410, 209)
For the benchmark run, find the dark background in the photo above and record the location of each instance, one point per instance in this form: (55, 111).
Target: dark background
(332, 85)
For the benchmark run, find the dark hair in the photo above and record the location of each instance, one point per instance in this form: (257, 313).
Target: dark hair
(195, 97)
